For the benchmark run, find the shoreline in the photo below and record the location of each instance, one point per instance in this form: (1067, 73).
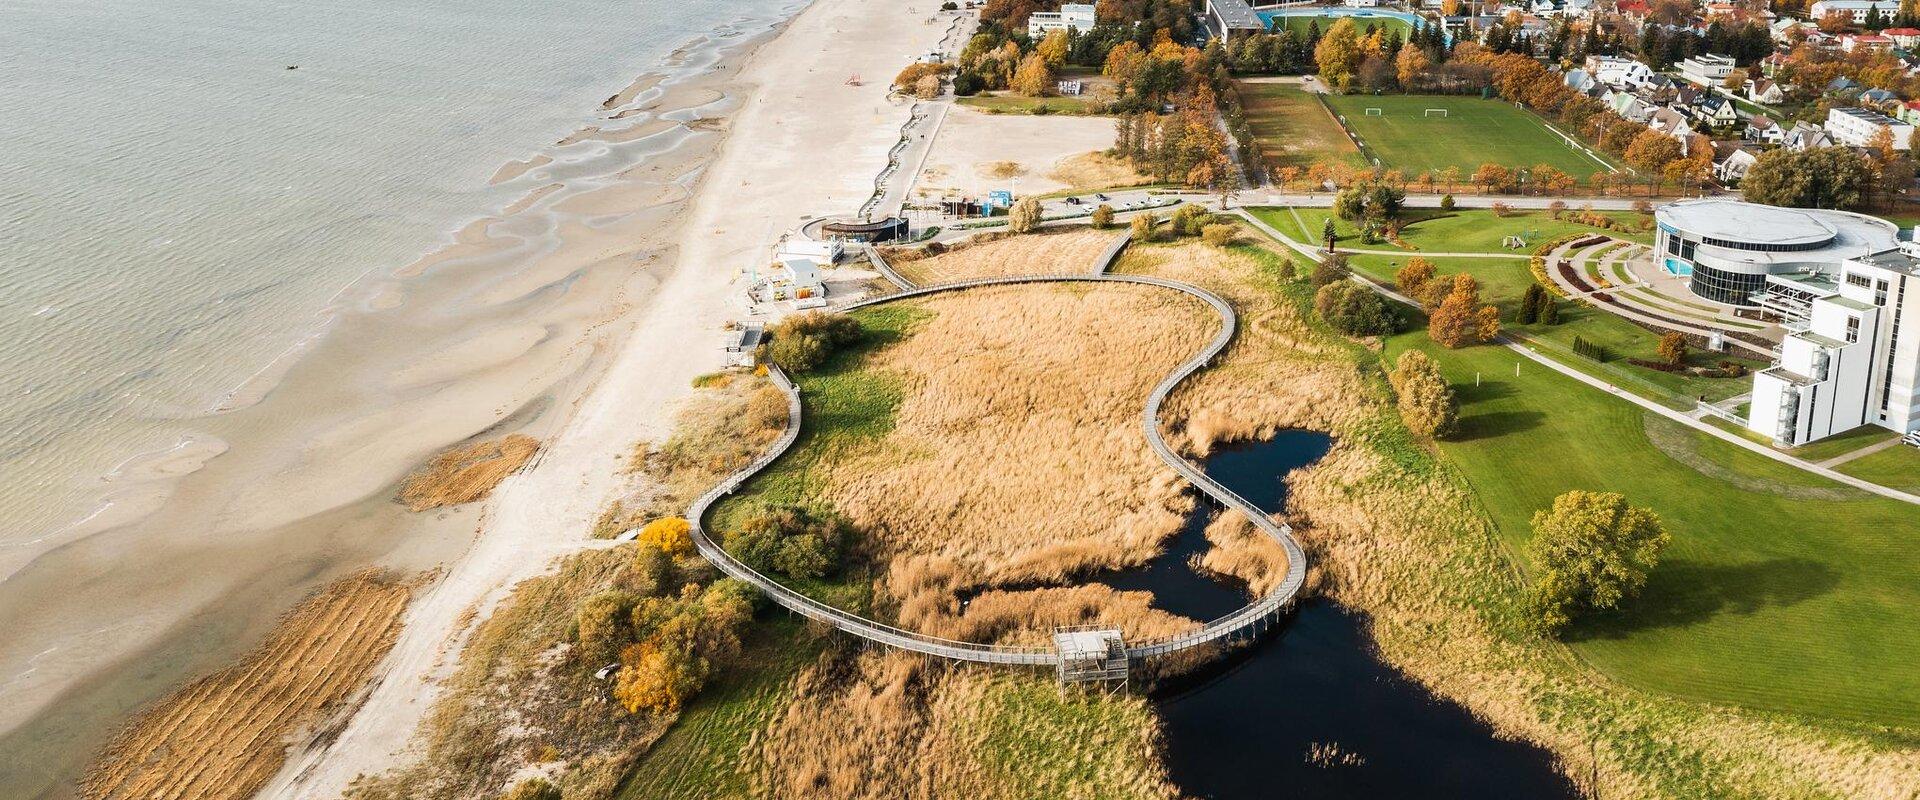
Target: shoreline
(77, 679)
(766, 168)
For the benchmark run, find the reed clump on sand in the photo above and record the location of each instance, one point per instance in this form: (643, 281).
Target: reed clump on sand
(1393, 532)
(467, 473)
(1068, 250)
(728, 422)
(225, 735)
(892, 725)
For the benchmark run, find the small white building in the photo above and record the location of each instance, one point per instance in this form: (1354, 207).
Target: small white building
(1765, 92)
(1856, 360)
(1856, 127)
(1618, 72)
(1076, 16)
(795, 278)
(826, 250)
(1707, 70)
(1360, 3)
(1730, 168)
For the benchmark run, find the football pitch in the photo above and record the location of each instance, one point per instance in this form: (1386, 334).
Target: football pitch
(1416, 133)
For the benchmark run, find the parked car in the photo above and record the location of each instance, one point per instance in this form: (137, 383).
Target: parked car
(1101, 197)
(1912, 438)
(1073, 201)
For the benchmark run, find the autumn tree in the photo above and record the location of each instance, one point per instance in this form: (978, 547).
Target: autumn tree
(1495, 177)
(1024, 217)
(671, 535)
(1826, 177)
(533, 789)
(1461, 319)
(1033, 78)
(1339, 53)
(1142, 227)
(1590, 551)
(602, 625)
(1673, 347)
(1650, 153)
(1414, 276)
(1052, 48)
(1411, 66)
(1217, 234)
(1102, 216)
(1427, 402)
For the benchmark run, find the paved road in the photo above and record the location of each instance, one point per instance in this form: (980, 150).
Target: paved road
(1677, 416)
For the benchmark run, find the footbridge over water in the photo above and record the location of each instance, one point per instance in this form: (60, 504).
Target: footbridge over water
(1247, 622)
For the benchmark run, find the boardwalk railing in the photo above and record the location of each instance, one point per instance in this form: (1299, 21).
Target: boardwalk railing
(1240, 623)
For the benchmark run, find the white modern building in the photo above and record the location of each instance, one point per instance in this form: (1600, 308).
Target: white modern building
(1620, 73)
(1856, 9)
(1707, 70)
(1763, 257)
(1854, 362)
(1856, 127)
(1076, 16)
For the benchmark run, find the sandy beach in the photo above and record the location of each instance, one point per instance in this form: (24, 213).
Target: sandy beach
(287, 482)
(799, 140)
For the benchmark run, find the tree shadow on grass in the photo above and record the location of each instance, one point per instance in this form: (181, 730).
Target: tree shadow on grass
(1495, 424)
(1683, 593)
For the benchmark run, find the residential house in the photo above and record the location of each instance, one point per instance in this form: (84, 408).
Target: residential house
(1620, 73)
(1869, 42)
(1714, 111)
(1908, 112)
(1707, 70)
(1857, 127)
(1903, 38)
(1765, 91)
(1782, 29)
(1879, 98)
(1731, 160)
(1581, 81)
(1762, 128)
(1842, 87)
(1806, 136)
(1628, 106)
(1671, 123)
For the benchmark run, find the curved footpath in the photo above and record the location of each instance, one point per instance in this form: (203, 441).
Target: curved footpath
(1245, 622)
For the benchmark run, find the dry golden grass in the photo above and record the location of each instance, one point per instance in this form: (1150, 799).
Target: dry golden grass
(725, 425)
(889, 725)
(467, 473)
(1097, 170)
(1070, 250)
(1240, 551)
(225, 735)
(1016, 454)
(1395, 534)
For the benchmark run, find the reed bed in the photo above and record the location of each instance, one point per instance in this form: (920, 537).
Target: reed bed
(891, 725)
(467, 473)
(1068, 250)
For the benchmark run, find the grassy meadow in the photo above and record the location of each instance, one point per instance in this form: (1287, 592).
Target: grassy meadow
(1780, 591)
(1474, 132)
(1293, 129)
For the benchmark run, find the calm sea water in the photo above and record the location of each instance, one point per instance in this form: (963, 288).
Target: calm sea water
(178, 208)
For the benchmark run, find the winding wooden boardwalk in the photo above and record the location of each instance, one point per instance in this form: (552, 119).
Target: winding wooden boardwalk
(1246, 622)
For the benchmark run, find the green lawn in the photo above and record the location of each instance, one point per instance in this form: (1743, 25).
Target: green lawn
(1461, 231)
(1843, 444)
(1015, 104)
(1897, 466)
(1474, 132)
(700, 756)
(1294, 130)
(1386, 25)
(1780, 590)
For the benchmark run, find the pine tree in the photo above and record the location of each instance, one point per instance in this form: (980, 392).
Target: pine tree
(1530, 304)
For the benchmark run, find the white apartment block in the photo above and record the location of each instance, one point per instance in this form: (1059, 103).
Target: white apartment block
(1856, 127)
(1077, 16)
(1856, 9)
(1707, 70)
(1854, 362)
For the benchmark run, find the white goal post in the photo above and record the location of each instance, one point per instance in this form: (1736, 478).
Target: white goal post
(1435, 112)
(1373, 112)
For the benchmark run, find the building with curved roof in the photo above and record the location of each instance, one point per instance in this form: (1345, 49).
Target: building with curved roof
(1744, 254)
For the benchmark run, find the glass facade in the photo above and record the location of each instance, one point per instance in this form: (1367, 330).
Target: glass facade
(1726, 287)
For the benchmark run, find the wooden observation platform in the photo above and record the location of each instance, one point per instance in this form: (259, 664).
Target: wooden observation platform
(1090, 654)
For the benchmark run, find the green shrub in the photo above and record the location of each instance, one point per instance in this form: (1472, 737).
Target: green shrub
(791, 541)
(1332, 269)
(804, 341)
(1354, 310)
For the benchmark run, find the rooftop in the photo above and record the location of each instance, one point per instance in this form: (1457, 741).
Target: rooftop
(1746, 222)
(1236, 14)
(1899, 259)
